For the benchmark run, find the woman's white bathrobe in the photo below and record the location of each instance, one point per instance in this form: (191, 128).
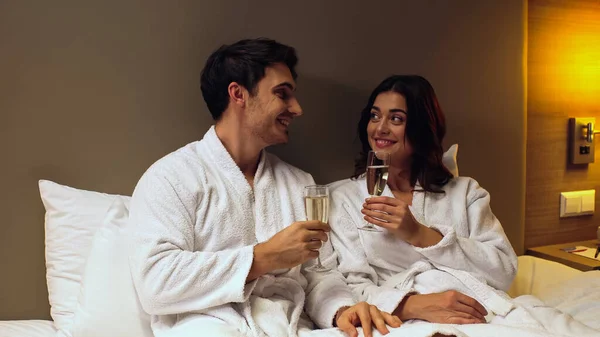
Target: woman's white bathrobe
(381, 269)
(194, 223)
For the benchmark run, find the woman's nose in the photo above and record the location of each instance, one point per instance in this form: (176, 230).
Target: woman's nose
(383, 128)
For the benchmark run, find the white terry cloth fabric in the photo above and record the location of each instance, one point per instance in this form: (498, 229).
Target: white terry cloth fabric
(529, 318)
(424, 278)
(194, 221)
(407, 330)
(569, 308)
(473, 242)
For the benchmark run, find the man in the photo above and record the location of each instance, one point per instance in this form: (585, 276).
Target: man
(218, 248)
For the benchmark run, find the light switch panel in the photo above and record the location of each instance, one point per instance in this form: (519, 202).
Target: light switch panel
(588, 199)
(577, 203)
(573, 205)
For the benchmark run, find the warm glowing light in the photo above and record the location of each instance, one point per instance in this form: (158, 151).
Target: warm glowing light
(578, 64)
(565, 55)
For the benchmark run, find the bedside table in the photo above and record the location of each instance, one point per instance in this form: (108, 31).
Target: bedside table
(554, 253)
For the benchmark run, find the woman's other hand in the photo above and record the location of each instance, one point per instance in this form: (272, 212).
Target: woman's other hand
(450, 307)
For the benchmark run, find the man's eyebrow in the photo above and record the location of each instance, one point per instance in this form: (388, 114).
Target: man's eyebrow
(285, 84)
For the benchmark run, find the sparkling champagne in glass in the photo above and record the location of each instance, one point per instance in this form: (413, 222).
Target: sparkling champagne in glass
(316, 203)
(378, 164)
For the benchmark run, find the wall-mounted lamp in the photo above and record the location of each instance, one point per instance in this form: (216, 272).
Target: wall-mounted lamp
(581, 140)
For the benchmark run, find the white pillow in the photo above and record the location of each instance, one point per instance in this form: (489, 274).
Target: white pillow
(72, 218)
(578, 296)
(108, 304)
(449, 159)
(535, 274)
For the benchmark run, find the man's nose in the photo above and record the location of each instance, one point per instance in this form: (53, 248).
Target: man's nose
(295, 108)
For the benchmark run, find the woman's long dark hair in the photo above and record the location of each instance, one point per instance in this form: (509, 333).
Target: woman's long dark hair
(425, 130)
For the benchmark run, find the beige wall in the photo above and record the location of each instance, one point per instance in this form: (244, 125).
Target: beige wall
(92, 94)
(563, 81)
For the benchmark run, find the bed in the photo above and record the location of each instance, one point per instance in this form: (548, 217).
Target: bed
(27, 328)
(91, 293)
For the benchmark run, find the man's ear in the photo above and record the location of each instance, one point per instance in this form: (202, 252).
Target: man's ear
(237, 94)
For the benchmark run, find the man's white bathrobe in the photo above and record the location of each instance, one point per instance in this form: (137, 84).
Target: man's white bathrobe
(194, 223)
(474, 255)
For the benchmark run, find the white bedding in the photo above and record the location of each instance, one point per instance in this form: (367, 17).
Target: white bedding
(27, 328)
(553, 300)
(573, 292)
(571, 308)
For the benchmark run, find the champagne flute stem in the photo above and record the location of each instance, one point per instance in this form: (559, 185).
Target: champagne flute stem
(369, 226)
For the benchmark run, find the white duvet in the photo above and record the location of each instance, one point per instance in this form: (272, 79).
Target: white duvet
(566, 303)
(566, 309)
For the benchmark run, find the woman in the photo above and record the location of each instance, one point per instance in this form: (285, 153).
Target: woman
(431, 223)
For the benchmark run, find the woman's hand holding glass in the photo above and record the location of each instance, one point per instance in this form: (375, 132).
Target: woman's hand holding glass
(378, 163)
(395, 216)
(392, 214)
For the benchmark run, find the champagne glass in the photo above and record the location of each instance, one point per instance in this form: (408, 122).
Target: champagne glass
(316, 203)
(378, 164)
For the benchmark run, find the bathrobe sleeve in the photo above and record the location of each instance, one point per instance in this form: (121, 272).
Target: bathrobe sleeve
(326, 292)
(353, 263)
(486, 251)
(170, 277)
